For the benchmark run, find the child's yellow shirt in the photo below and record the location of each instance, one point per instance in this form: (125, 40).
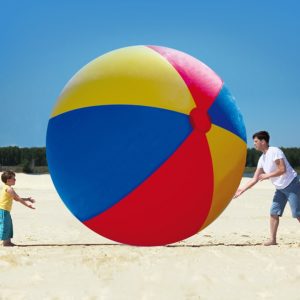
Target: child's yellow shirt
(6, 199)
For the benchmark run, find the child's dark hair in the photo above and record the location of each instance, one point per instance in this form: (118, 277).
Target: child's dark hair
(7, 175)
(262, 135)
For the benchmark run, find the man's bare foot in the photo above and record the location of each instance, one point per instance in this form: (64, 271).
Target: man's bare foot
(8, 244)
(270, 243)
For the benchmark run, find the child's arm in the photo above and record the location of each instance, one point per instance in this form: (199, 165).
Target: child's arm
(29, 199)
(19, 199)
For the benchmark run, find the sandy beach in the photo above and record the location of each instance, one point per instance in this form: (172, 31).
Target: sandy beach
(59, 258)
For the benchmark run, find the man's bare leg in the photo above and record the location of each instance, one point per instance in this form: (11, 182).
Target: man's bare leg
(274, 223)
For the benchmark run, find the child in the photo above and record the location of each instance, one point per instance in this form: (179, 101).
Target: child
(7, 195)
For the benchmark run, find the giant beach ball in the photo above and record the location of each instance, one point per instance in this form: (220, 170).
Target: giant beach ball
(146, 145)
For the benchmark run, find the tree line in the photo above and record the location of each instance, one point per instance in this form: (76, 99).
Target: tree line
(30, 158)
(27, 159)
(292, 155)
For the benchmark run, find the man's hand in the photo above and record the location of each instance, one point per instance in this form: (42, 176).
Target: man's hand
(262, 177)
(238, 193)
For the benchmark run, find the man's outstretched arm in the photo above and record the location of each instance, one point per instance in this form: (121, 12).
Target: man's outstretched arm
(249, 184)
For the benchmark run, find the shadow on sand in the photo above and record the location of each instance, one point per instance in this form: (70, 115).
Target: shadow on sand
(166, 246)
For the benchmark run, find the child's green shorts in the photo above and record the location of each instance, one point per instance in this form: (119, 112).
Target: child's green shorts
(6, 226)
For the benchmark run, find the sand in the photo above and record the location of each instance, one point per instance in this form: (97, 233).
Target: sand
(59, 258)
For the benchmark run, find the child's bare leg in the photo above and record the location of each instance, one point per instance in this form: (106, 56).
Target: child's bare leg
(8, 243)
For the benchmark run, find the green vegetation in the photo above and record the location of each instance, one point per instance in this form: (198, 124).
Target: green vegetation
(292, 155)
(33, 160)
(27, 160)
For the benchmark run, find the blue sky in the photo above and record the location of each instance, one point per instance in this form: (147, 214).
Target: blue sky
(254, 46)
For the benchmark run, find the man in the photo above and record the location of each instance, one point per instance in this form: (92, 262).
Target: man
(273, 165)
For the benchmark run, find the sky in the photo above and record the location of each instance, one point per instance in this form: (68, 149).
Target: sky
(254, 46)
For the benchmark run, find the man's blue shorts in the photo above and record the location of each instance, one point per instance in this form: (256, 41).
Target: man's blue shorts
(291, 194)
(6, 226)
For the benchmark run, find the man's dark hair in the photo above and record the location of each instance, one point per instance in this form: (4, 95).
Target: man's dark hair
(262, 135)
(7, 175)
